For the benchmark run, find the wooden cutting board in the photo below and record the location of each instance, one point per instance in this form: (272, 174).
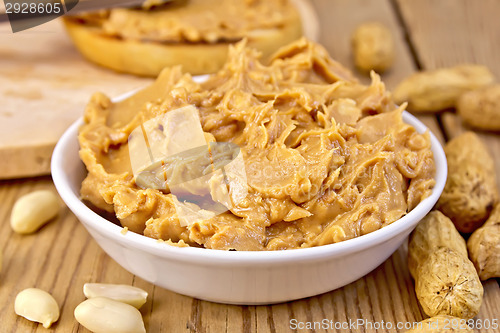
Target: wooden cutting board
(44, 86)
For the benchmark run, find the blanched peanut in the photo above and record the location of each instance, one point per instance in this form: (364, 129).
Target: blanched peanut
(37, 305)
(33, 210)
(119, 292)
(105, 315)
(373, 47)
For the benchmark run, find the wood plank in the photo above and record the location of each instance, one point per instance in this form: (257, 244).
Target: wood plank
(45, 84)
(62, 256)
(450, 32)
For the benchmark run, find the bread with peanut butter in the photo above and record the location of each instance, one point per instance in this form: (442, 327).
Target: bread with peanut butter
(192, 33)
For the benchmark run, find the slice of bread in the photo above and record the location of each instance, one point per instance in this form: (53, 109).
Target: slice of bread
(147, 58)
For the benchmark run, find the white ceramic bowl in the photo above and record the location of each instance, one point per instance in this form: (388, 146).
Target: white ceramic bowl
(234, 276)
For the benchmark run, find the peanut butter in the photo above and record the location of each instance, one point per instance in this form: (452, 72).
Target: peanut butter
(326, 158)
(196, 21)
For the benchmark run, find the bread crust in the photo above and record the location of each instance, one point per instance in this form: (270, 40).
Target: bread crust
(149, 58)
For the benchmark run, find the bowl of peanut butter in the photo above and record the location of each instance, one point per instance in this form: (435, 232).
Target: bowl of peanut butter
(254, 185)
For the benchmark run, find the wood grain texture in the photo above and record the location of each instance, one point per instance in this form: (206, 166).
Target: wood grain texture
(451, 32)
(62, 256)
(447, 33)
(44, 85)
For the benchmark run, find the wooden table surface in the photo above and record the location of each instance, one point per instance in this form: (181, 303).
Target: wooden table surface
(62, 256)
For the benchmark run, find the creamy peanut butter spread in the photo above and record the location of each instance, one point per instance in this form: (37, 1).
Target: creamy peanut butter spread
(326, 158)
(197, 20)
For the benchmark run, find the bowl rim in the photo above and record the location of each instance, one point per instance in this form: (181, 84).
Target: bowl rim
(203, 256)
